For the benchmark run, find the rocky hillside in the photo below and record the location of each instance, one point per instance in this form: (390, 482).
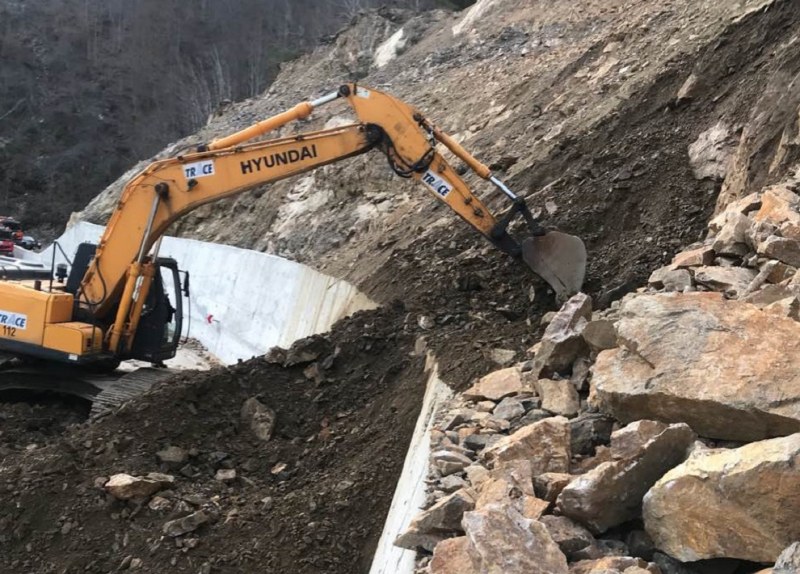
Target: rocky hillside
(649, 425)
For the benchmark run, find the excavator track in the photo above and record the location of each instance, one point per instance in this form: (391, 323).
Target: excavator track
(106, 392)
(115, 392)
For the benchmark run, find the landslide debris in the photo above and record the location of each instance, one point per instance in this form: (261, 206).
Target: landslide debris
(621, 121)
(311, 498)
(682, 448)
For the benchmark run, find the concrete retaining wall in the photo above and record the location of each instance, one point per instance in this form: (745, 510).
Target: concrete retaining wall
(409, 496)
(243, 302)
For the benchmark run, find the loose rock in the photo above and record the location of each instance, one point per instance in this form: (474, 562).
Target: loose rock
(545, 444)
(259, 418)
(562, 342)
(612, 493)
(440, 521)
(496, 386)
(127, 487)
(452, 557)
(497, 534)
(558, 397)
(570, 536)
(733, 281)
(186, 524)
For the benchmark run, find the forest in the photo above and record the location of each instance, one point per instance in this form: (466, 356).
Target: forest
(90, 87)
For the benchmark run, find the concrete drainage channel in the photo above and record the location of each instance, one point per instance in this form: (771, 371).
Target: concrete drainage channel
(243, 303)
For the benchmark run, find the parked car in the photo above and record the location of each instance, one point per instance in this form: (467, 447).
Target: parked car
(29, 243)
(6, 242)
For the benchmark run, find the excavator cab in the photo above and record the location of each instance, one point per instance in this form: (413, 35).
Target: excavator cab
(161, 321)
(162, 316)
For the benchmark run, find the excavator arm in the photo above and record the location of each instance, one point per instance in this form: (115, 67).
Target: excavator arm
(117, 281)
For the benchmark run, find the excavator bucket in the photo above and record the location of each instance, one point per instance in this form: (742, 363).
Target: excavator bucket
(559, 259)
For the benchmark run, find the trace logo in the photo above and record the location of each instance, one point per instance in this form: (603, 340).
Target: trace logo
(198, 169)
(17, 320)
(439, 186)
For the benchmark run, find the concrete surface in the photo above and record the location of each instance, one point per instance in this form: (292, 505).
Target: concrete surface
(242, 302)
(409, 496)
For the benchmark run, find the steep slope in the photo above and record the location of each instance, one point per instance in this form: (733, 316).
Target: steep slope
(590, 109)
(579, 107)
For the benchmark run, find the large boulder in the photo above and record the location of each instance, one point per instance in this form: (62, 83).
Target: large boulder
(739, 503)
(612, 493)
(498, 536)
(546, 444)
(725, 368)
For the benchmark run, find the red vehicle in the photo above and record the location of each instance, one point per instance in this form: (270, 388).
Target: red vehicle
(6, 242)
(12, 225)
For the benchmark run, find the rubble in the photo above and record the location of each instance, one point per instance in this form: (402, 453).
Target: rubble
(736, 503)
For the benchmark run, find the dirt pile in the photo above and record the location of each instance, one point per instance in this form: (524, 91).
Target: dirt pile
(311, 499)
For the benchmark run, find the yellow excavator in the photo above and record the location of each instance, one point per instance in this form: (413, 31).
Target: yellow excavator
(115, 302)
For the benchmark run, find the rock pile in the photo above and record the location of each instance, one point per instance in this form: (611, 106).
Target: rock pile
(661, 435)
